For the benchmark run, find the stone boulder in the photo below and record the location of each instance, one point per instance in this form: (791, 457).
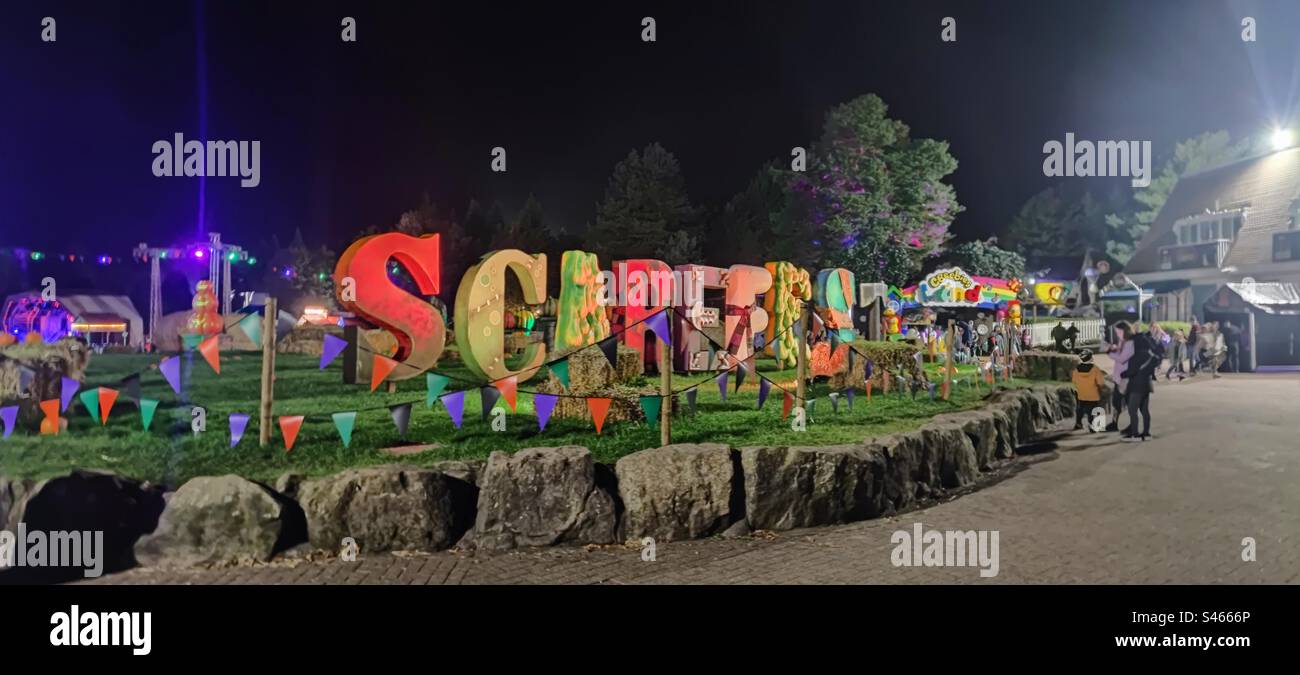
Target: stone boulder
(219, 519)
(1045, 365)
(790, 487)
(982, 427)
(682, 491)
(542, 497)
(384, 508)
(958, 464)
(49, 364)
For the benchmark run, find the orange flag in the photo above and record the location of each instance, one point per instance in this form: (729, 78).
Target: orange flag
(507, 387)
(50, 425)
(211, 351)
(289, 427)
(106, 398)
(381, 368)
(868, 391)
(786, 405)
(598, 407)
(885, 379)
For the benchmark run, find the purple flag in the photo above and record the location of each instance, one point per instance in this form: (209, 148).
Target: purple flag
(238, 422)
(330, 349)
(722, 384)
(70, 387)
(764, 386)
(171, 369)
(658, 324)
(455, 405)
(9, 414)
(544, 404)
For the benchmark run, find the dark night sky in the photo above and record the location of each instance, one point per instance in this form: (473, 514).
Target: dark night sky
(352, 134)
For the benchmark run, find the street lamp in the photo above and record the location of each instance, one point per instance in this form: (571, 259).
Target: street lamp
(1124, 278)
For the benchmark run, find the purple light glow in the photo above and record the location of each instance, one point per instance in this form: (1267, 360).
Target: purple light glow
(198, 253)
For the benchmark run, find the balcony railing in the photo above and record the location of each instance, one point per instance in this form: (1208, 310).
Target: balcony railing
(1192, 256)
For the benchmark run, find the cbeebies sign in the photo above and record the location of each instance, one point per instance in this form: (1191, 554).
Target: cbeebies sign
(948, 287)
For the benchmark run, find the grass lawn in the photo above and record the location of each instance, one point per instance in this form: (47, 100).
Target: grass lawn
(170, 453)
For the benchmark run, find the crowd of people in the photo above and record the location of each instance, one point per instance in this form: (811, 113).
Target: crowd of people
(1139, 358)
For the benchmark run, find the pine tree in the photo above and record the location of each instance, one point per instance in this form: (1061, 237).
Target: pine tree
(645, 202)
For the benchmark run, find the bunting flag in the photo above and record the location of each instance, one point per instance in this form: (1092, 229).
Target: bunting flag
(170, 368)
(488, 396)
(610, 347)
(786, 405)
(289, 426)
(835, 402)
(401, 415)
(508, 387)
(90, 399)
(330, 349)
(147, 408)
(871, 368)
(848, 396)
(344, 421)
(560, 369)
(932, 392)
(106, 398)
(868, 387)
(776, 350)
(190, 341)
(658, 324)
(809, 406)
(380, 368)
(50, 425)
(690, 400)
(131, 384)
(544, 404)
(598, 407)
(211, 351)
(741, 371)
(455, 405)
(68, 389)
(238, 423)
(713, 352)
(25, 378)
(764, 386)
(884, 376)
(852, 354)
(650, 406)
(9, 415)
(251, 324)
(835, 340)
(434, 385)
(722, 384)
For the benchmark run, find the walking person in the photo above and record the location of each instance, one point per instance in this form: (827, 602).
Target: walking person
(1232, 344)
(1121, 352)
(1193, 349)
(1088, 380)
(1216, 349)
(1140, 376)
(1177, 351)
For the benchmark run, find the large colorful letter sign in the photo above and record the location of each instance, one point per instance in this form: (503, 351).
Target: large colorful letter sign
(790, 285)
(580, 318)
(417, 325)
(645, 287)
(833, 295)
(481, 307)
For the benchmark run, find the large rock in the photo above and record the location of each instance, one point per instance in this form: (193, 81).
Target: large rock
(790, 487)
(981, 426)
(86, 501)
(49, 363)
(218, 519)
(958, 465)
(682, 491)
(384, 508)
(542, 497)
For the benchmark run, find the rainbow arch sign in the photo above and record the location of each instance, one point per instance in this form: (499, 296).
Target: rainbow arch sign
(953, 287)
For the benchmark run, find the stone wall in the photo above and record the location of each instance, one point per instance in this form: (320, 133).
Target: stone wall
(1043, 365)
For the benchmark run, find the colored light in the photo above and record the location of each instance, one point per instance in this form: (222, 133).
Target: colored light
(37, 255)
(320, 276)
(198, 253)
(288, 272)
(162, 255)
(104, 260)
(252, 261)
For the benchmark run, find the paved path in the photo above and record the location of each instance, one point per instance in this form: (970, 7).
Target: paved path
(1225, 465)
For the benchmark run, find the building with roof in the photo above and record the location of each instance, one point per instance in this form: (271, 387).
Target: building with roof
(99, 318)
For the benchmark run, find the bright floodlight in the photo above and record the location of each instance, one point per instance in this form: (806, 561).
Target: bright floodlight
(1282, 139)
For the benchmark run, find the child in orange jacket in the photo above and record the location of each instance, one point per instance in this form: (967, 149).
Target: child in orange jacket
(1088, 380)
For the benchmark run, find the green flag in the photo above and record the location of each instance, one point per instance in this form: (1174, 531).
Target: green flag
(90, 399)
(650, 405)
(191, 341)
(436, 383)
(561, 370)
(344, 422)
(147, 406)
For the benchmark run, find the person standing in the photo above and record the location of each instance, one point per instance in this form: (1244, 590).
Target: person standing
(1059, 334)
(1232, 343)
(1139, 374)
(1177, 351)
(1121, 353)
(1088, 380)
(1192, 348)
(1072, 337)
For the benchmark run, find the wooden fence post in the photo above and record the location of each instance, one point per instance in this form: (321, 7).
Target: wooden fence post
(801, 369)
(665, 391)
(268, 371)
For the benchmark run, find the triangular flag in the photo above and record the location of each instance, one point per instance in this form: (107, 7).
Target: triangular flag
(239, 422)
(211, 351)
(852, 354)
(455, 405)
(561, 371)
(147, 408)
(835, 340)
(330, 349)
(344, 421)
(598, 407)
(776, 350)
(9, 414)
(722, 384)
(884, 377)
(610, 347)
(931, 391)
(90, 399)
(650, 406)
(741, 371)
(786, 405)
(835, 401)
(380, 368)
(658, 324)
(106, 398)
(25, 377)
(131, 385)
(544, 404)
(190, 341)
(170, 368)
(848, 396)
(434, 384)
(289, 426)
(764, 386)
(808, 407)
(713, 351)
(50, 425)
(871, 369)
(690, 400)
(488, 396)
(252, 327)
(401, 418)
(507, 387)
(68, 390)
(868, 391)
